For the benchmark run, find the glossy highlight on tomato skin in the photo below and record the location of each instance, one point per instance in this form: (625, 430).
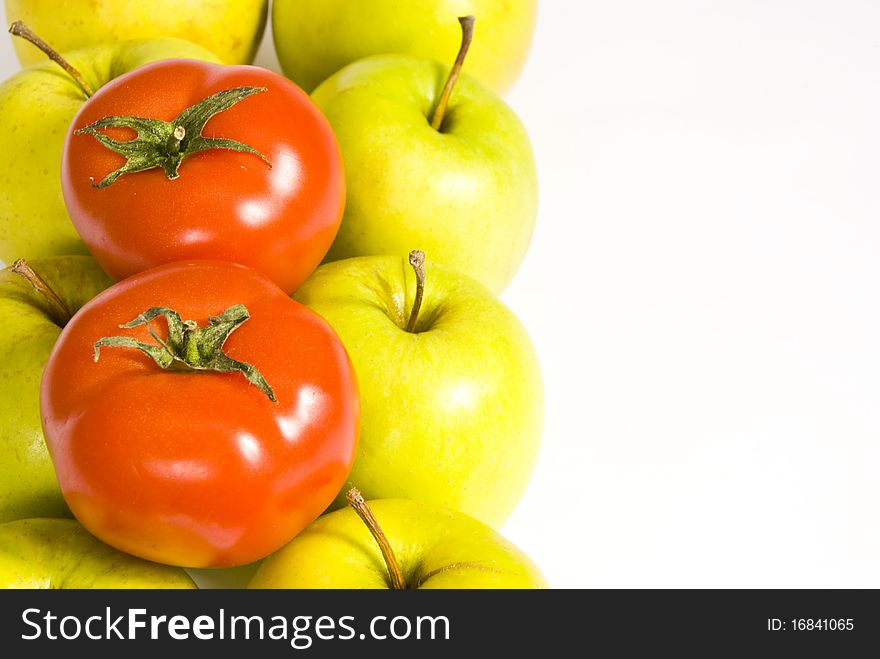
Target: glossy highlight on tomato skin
(200, 469)
(226, 205)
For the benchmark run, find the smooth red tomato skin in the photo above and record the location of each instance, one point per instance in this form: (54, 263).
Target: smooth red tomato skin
(200, 469)
(225, 205)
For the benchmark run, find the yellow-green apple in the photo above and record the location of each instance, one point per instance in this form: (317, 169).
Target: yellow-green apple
(231, 29)
(397, 543)
(32, 320)
(36, 108)
(59, 553)
(451, 394)
(450, 169)
(315, 38)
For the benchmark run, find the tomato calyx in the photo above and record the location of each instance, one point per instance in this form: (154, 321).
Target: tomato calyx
(190, 348)
(167, 144)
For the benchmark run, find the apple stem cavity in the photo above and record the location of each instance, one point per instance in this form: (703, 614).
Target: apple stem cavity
(417, 261)
(356, 501)
(19, 29)
(58, 310)
(467, 36)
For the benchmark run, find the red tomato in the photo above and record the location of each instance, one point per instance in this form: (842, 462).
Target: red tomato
(199, 469)
(226, 205)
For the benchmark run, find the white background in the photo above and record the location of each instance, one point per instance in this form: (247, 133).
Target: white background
(702, 290)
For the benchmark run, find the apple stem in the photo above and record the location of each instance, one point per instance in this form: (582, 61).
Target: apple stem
(58, 309)
(467, 35)
(19, 29)
(356, 501)
(417, 261)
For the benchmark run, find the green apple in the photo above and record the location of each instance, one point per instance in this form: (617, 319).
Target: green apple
(36, 107)
(451, 411)
(403, 544)
(466, 193)
(59, 553)
(231, 29)
(32, 321)
(315, 38)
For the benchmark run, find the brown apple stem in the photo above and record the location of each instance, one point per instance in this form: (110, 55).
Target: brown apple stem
(58, 309)
(356, 501)
(417, 261)
(19, 29)
(467, 35)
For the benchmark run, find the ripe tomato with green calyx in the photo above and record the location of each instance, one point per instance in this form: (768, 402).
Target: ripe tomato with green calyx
(198, 416)
(182, 159)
